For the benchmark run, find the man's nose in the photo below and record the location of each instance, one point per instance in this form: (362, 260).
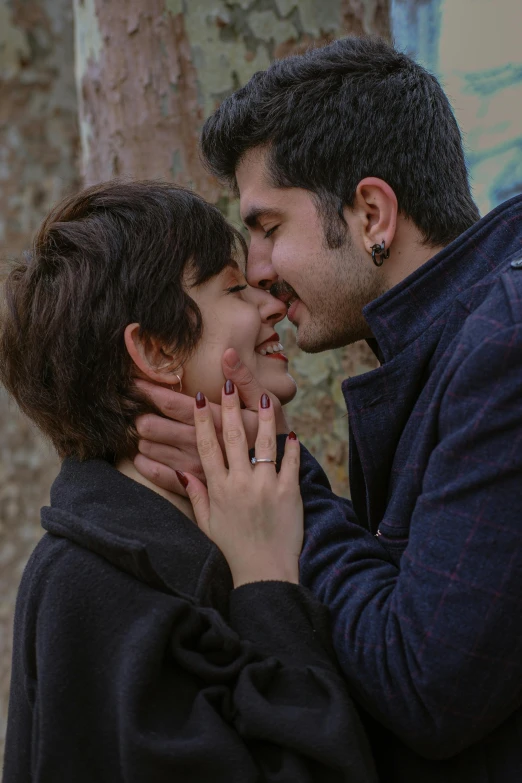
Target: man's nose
(260, 272)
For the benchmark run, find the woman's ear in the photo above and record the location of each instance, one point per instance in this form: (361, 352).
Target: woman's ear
(152, 359)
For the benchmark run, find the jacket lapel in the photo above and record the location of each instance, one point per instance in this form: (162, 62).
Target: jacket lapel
(379, 404)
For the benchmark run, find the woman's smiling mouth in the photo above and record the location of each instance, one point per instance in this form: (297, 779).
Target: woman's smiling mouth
(271, 348)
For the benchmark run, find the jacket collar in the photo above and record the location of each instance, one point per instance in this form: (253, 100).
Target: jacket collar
(409, 322)
(137, 530)
(398, 317)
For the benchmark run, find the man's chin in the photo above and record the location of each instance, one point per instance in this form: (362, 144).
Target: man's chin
(317, 341)
(310, 344)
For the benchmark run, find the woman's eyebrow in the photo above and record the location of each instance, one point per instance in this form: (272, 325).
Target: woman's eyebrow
(254, 214)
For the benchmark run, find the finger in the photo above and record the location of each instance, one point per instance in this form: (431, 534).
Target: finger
(159, 474)
(168, 455)
(234, 436)
(172, 404)
(249, 388)
(179, 408)
(156, 428)
(250, 423)
(174, 458)
(198, 496)
(289, 473)
(266, 446)
(208, 446)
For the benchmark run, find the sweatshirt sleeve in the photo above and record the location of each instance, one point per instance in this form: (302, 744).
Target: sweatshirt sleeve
(432, 647)
(138, 686)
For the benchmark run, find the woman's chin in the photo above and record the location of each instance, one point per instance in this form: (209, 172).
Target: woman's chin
(285, 391)
(283, 387)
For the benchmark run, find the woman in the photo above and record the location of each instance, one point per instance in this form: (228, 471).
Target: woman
(143, 651)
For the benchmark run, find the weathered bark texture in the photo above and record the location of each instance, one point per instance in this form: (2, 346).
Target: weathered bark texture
(38, 148)
(148, 75)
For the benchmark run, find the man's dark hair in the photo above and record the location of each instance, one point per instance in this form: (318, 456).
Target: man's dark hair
(116, 253)
(352, 109)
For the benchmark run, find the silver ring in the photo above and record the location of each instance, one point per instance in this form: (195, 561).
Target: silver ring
(255, 460)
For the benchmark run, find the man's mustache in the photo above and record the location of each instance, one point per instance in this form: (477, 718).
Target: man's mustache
(281, 290)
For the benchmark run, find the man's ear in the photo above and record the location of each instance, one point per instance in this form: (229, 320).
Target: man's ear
(375, 206)
(151, 358)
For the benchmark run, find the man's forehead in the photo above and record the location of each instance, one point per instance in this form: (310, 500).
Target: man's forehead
(259, 198)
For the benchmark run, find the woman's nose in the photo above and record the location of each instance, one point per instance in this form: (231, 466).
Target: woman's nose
(271, 310)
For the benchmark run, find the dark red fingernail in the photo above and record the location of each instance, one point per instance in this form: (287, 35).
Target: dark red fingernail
(292, 435)
(265, 401)
(200, 400)
(183, 480)
(229, 387)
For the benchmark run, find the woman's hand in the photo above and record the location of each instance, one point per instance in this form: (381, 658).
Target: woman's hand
(167, 443)
(253, 514)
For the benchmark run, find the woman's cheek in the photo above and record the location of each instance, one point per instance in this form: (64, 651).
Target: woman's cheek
(203, 372)
(244, 336)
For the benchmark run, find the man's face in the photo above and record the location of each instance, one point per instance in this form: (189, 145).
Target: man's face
(325, 288)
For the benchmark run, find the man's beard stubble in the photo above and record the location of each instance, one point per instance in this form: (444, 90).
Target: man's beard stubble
(336, 319)
(281, 288)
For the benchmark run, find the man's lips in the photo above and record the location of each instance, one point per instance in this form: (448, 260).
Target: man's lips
(291, 310)
(286, 294)
(282, 291)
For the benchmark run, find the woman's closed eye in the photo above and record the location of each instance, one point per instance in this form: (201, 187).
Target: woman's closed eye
(270, 231)
(236, 289)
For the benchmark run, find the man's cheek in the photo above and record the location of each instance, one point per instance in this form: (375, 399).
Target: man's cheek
(286, 265)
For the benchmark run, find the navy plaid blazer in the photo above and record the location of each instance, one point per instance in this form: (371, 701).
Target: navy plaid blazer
(422, 571)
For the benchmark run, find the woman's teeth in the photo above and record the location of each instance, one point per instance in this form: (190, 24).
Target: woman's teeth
(275, 348)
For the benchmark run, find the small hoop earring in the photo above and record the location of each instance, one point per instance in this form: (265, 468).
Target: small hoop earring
(180, 384)
(380, 250)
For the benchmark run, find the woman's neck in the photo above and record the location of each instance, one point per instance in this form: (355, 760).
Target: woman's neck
(126, 467)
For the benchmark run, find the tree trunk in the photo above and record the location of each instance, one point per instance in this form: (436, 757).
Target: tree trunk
(38, 147)
(148, 75)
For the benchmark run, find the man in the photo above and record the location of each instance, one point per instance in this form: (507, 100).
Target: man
(353, 186)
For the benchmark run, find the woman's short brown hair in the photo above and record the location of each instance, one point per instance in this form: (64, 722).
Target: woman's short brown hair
(114, 254)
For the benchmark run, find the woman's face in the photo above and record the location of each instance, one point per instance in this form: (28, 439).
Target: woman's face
(237, 316)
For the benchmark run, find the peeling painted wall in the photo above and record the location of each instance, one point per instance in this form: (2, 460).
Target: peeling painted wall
(473, 46)
(38, 149)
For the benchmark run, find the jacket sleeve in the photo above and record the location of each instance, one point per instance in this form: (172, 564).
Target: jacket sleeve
(432, 648)
(152, 687)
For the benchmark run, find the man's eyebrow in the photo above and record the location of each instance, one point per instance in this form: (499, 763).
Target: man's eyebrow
(252, 217)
